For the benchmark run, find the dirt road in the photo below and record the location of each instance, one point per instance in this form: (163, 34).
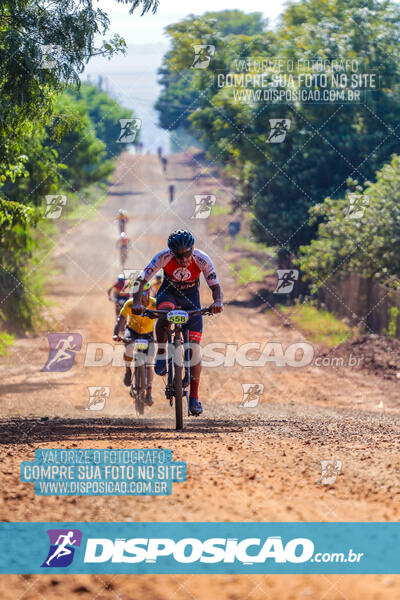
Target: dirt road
(244, 464)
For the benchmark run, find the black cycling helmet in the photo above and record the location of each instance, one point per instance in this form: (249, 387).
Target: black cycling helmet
(180, 239)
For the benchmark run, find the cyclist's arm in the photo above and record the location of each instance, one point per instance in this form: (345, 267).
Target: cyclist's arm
(217, 293)
(110, 289)
(137, 296)
(158, 262)
(120, 324)
(206, 266)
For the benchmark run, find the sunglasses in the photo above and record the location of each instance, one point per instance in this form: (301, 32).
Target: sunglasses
(185, 254)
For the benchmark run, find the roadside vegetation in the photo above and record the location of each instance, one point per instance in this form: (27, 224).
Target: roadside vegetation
(302, 194)
(319, 325)
(57, 138)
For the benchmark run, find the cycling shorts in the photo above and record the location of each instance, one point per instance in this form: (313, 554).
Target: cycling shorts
(169, 296)
(130, 336)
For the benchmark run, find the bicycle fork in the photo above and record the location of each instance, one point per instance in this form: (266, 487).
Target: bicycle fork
(169, 390)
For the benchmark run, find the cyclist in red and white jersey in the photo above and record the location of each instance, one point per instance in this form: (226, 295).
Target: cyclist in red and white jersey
(182, 264)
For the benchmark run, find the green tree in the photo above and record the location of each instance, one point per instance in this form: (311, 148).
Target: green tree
(104, 113)
(326, 143)
(358, 232)
(44, 47)
(184, 87)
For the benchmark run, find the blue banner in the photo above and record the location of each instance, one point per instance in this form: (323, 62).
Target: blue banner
(196, 548)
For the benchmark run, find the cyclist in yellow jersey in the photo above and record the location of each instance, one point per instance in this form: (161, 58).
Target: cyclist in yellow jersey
(137, 327)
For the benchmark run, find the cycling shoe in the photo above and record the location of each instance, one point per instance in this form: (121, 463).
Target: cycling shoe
(148, 399)
(160, 366)
(195, 407)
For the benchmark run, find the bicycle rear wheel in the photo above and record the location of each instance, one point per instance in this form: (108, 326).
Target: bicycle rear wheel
(178, 385)
(140, 386)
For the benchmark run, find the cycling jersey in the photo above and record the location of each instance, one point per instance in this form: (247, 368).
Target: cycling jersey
(118, 288)
(138, 323)
(200, 263)
(122, 217)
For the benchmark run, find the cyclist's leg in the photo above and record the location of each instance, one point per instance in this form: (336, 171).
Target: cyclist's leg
(129, 337)
(195, 327)
(195, 372)
(149, 368)
(165, 300)
(117, 306)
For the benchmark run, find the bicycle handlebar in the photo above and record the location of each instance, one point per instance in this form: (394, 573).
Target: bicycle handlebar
(147, 312)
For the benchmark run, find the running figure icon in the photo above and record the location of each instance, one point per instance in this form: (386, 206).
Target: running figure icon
(286, 280)
(63, 347)
(62, 549)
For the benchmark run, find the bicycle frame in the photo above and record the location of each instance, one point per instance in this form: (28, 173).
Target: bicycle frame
(176, 386)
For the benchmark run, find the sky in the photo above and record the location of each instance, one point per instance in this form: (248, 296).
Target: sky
(149, 29)
(132, 78)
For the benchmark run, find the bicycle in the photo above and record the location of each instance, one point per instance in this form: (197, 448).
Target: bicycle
(138, 387)
(177, 386)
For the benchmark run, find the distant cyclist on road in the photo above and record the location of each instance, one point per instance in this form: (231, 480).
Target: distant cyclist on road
(183, 265)
(171, 193)
(123, 245)
(119, 291)
(122, 219)
(137, 327)
(164, 162)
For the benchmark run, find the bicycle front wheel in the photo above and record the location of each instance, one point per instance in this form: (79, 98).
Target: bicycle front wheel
(178, 385)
